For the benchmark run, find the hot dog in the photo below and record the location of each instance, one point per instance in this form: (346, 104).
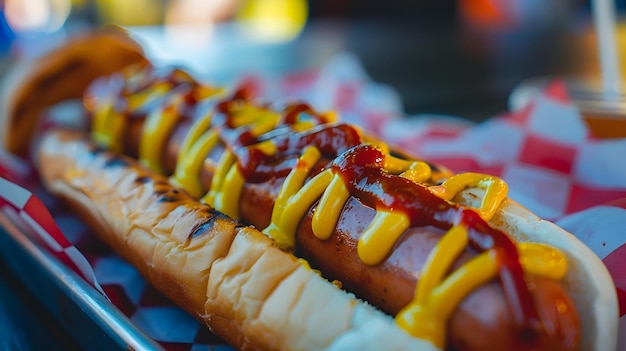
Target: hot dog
(388, 284)
(269, 167)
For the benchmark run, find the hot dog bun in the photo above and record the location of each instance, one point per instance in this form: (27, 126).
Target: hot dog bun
(60, 75)
(231, 276)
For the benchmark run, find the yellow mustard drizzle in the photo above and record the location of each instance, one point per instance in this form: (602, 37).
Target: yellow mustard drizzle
(215, 195)
(417, 171)
(155, 132)
(543, 260)
(420, 318)
(143, 97)
(294, 200)
(495, 188)
(436, 296)
(228, 182)
(295, 197)
(108, 127)
(379, 237)
(159, 125)
(198, 142)
(260, 120)
(227, 198)
(329, 208)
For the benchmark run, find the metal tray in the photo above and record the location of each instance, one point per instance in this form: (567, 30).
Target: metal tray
(93, 321)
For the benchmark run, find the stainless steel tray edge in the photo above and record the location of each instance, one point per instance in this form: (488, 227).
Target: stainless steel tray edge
(93, 321)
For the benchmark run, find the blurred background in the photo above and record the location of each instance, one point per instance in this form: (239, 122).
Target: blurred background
(450, 57)
(457, 57)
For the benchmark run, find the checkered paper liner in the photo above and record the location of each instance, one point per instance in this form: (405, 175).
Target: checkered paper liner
(545, 152)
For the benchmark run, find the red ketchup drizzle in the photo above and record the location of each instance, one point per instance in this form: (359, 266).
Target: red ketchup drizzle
(235, 136)
(227, 106)
(292, 113)
(256, 166)
(172, 76)
(224, 121)
(118, 88)
(483, 237)
(361, 168)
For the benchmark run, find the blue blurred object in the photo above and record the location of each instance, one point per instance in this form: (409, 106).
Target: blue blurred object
(6, 34)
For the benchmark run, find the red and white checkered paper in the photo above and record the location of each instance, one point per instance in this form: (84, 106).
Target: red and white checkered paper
(545, 152)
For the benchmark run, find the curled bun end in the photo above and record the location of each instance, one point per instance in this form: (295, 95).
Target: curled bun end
(62, 74)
